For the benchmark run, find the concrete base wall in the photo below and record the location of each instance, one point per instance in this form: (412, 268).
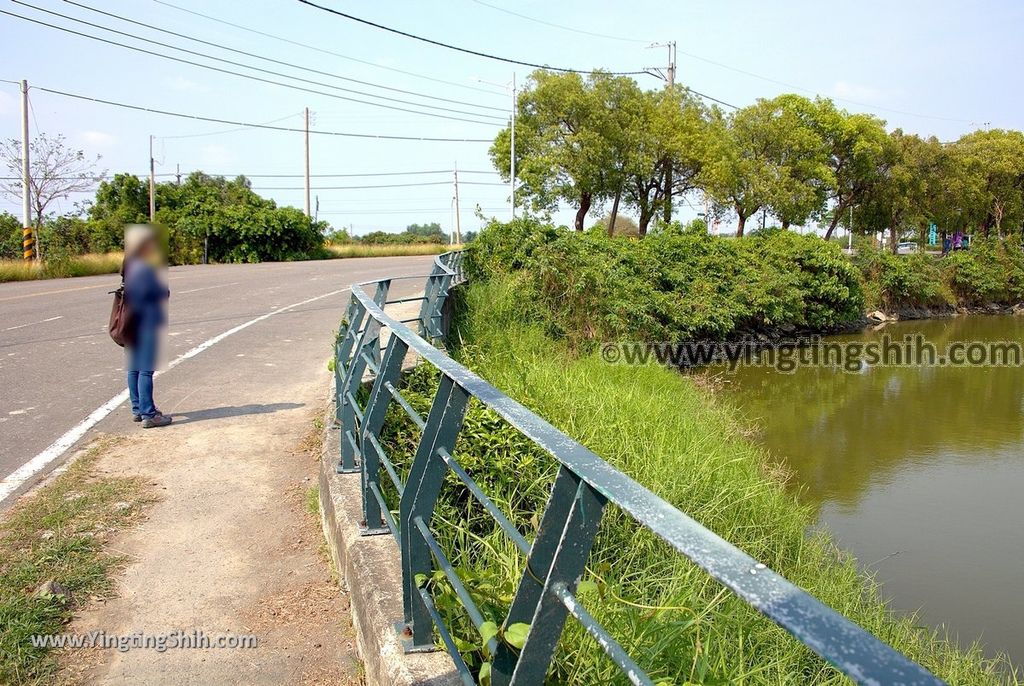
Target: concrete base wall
(370, 567)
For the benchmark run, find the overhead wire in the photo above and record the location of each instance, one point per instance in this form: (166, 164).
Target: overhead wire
(282, 62)
(269, 127)
(324, 51)
(456, 48)
(235, 73)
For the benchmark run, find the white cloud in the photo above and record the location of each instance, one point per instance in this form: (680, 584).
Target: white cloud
(180, 83)
(98, 139)
(215, 156)
(854, 91)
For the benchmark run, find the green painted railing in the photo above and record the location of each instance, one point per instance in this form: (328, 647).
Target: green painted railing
(584, 486)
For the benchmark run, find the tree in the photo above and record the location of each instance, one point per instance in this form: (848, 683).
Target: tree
(741, 177)
(431, 232)
(991, 169)
(566, 140)
(670, 129)
(899, 199)
(56, 171)
(858, 155)
(122, 200)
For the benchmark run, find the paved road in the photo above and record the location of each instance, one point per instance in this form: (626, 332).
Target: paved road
(58, 366)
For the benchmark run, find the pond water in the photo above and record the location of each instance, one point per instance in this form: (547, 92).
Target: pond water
(918, 471)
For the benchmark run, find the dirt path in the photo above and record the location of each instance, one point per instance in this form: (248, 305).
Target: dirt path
(231, 549)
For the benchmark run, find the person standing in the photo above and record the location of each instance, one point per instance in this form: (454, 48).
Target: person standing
(147, 296)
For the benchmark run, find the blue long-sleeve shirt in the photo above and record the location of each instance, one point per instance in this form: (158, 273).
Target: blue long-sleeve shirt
(146, 294)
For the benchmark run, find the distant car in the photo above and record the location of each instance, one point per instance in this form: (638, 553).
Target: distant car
(906, 248)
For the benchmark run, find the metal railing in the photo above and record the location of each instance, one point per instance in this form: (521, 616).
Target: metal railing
(556, 558)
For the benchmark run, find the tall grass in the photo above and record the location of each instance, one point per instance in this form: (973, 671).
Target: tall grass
(386, 249)
(58, 268)
(658, 427)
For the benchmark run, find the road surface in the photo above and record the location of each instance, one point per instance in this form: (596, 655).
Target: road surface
(60, 372)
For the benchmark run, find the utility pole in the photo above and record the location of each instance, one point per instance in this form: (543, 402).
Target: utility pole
(458, 220)
(512, 171)
(152, 183)
(308, 212)
(26, 185)
(513, 199)
(670, 83)
(177, 173)
(849, 240)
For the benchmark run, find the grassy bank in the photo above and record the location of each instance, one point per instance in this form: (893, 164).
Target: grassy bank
(659, 428)
(386, 249)
(80, 265)
(58, 534)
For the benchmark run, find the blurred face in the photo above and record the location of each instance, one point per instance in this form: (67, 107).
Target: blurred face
(147, 250)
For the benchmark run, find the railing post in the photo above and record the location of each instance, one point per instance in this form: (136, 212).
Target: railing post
(373, 422)
(340, 356)
(421, 491)
(558, 555)
(427, 308)
(350, 386)
(380, 297)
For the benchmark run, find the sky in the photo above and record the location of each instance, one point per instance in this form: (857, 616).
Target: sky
(938, 68)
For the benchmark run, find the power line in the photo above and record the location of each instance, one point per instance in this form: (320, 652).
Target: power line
(338, 176)
(456, 48)
(558, 26)
(352, 188)
(223, 131)
(268, 127)
(235, 73)
(385, 185)
(409, 211)
(325, 51)
(286, 64)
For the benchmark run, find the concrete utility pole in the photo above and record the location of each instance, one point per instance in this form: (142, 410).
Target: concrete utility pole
(308, 212)
(458, 219)
(152, 183)
(670, 83)
(513, 200)
(26, 181)
(512, 171)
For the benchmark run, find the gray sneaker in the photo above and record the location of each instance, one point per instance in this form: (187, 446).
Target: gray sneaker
(156, 420)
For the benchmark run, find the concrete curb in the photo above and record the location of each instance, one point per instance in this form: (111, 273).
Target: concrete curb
(370, 566)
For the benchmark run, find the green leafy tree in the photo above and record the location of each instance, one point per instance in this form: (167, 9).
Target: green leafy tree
(991, 179)
(859, 153)
(669, 130)
(568, 140)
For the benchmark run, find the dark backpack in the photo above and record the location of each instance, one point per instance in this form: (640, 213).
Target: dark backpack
(120, 326)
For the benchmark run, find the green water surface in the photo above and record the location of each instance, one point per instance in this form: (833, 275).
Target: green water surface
(917, 470)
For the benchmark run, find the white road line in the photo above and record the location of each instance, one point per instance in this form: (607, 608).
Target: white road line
(37, 464)
(22, 326)
(206, 288)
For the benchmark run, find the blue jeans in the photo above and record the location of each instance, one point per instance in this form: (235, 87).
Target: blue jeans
(141, 358)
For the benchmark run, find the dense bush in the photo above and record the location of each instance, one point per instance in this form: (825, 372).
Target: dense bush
(676, 284)
(896, 281)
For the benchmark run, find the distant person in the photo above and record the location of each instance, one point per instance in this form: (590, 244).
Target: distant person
(946, 245)
(147, 298)
(958, 240)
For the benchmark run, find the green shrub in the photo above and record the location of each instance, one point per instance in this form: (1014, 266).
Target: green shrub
(675, 284)
(979, 276)
(895, 281)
